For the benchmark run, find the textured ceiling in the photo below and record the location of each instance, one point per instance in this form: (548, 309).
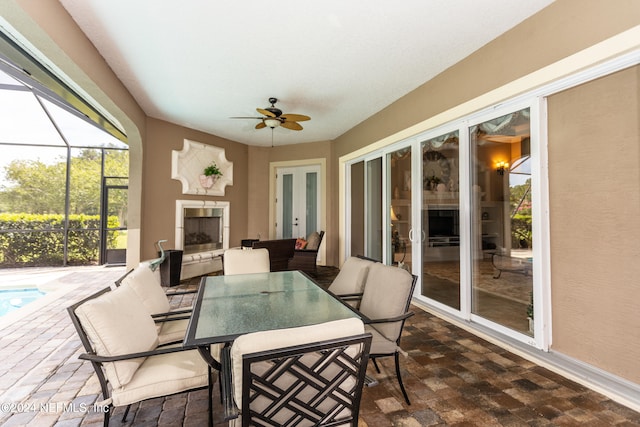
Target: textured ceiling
(197, 63)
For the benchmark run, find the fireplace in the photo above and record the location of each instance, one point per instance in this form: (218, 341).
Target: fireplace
(202, 229)
(202, 232)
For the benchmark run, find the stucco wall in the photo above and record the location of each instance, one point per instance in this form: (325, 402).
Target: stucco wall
(594, 174)
(161, 192)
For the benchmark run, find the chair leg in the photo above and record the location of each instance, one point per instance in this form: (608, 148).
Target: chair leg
(210, 406)
(126, 412)
(404, 392)
(107, 415)
(376, 365)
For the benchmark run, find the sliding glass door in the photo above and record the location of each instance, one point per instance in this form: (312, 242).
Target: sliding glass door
(441, 219)
(456, 208)
(502, 250)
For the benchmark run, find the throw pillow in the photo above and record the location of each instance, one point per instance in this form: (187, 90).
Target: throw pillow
(300, 243)
(313, 241)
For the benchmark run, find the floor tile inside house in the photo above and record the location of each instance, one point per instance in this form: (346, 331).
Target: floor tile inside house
(453, 378)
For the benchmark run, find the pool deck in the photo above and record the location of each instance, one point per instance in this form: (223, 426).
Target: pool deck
(39, 346)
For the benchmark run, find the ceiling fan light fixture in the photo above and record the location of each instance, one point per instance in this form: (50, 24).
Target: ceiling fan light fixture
(272, 123)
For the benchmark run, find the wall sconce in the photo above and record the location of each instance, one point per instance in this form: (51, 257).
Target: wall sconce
(501, 167)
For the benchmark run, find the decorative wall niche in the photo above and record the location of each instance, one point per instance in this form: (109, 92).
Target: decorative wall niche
(188, 164)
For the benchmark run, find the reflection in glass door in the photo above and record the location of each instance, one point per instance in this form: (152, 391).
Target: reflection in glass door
(502, 280)
(441, 219)
(399, 246)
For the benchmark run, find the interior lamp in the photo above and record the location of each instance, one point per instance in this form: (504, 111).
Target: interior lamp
(501, 166)
(393, 215)
(272, 123)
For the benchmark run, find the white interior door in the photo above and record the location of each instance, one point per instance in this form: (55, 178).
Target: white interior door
(297, 201)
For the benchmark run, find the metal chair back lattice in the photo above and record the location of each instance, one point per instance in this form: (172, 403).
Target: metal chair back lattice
(318, 384)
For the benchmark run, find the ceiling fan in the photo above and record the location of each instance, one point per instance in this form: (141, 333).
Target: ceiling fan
(273, 118)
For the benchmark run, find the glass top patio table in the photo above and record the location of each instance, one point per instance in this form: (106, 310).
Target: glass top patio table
(229, 306)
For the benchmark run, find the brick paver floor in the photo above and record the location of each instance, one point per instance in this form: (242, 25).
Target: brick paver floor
(453, 379)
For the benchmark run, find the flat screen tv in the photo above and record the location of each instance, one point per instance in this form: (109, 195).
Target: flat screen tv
(443, 222)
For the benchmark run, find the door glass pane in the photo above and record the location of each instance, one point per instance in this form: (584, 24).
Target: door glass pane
(441, 220)
(374, 209)
(311, 205)
(287, 206)
(357, 209)
(400, 209)
(502, 279)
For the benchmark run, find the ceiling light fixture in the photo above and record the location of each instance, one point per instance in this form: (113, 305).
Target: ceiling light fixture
(272, 123)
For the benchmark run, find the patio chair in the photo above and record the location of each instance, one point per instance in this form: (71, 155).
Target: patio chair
(121, 342)
(385, 304)
(145, 282)
(305, 259)
(349, 283)
(245, 261)
(311, 375)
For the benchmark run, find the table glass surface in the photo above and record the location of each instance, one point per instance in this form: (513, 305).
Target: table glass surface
(230, 306)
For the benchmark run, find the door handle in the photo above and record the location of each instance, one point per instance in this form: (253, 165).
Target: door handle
(411, 235)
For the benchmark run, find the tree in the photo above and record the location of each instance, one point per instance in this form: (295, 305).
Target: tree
(35, 187)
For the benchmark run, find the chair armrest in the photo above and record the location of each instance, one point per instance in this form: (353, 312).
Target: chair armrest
(182, 314)
(390, 319)
(102, 359)
(172, 293)
(350, 297)
(171, 318)
(226, 385)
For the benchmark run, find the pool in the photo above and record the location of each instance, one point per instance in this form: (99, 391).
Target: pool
(13, 299)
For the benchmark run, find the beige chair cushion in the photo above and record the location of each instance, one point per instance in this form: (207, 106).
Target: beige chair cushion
(380, 344)
(281, 338)
(172, 330)
(146, 284)
(163, 375)
(386, 293)
(313, 241)
(246, 261)
(117, 324)
(352, 276)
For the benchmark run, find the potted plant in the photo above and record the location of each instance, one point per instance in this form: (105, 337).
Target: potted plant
(210, 175)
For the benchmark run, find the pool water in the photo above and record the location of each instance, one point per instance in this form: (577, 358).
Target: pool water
(13, 299)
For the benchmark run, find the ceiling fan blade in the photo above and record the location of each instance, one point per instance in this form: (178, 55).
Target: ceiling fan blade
(291, 125)
(295, 117)
(265, 112)
(261, 125)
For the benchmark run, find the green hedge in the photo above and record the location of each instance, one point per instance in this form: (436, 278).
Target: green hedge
(38, 240)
